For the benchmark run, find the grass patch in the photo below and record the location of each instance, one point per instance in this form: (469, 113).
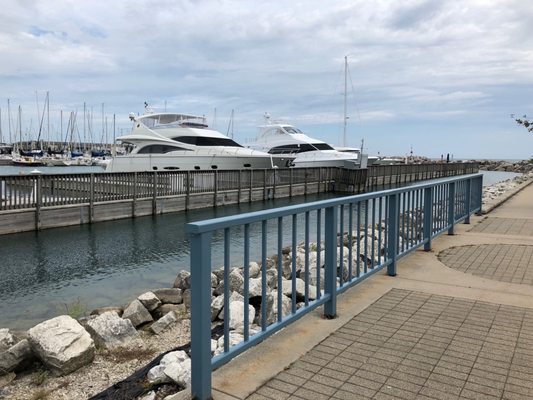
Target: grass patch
(76, 309)
(40, 394)
(39, 377)
(123, 354)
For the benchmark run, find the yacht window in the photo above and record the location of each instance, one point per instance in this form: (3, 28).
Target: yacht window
(206, 141)
(196, 167)
(171, 168)
(214, 166)
(247, 165)
(291, 129)
(154, 168)
(299, 148)
(158, 149)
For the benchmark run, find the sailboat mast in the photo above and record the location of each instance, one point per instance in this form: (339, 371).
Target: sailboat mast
(1, 135)
(345, 99)
(9, 120)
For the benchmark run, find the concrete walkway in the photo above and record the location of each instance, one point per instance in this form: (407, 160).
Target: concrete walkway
(455, 323)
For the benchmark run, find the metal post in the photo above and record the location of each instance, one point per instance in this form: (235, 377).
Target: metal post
(468, 195)
(392, 234)
(451, 208)
(290, 182)
(201, 316)
(479, 194)
(38, 201)
(91, 198)
(428, 217)
(154, 198)
(188, 190)
(330, 267)
(215, 188)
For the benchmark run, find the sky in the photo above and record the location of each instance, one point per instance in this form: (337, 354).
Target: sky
(429, 76)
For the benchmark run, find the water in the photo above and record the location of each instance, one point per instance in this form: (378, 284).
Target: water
(492, 177)
(104, 264)
(24, 170)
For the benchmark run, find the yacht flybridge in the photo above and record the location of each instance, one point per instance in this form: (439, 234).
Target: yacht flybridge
(167, 141)
(284, 139)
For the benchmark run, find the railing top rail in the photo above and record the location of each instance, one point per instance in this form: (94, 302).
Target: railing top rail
(255, 216)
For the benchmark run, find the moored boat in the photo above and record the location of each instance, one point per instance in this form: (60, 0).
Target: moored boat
(171, 141)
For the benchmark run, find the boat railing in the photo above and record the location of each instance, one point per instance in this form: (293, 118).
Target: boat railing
(291, 260)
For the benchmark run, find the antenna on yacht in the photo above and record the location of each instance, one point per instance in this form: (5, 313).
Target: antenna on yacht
(230, 125)
(267, 118)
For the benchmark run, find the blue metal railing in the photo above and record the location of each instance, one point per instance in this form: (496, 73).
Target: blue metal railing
(355, 236)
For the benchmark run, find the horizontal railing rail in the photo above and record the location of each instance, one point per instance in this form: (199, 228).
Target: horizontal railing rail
(279, 264)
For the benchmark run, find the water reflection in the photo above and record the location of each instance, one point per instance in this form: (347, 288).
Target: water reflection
(106, 263)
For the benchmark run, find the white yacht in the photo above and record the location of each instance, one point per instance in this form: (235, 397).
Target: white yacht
(285, 139)
(167, 141)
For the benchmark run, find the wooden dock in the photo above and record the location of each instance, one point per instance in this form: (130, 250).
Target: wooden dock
(35, 202)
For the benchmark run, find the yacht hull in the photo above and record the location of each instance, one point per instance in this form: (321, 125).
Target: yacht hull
(162, 162)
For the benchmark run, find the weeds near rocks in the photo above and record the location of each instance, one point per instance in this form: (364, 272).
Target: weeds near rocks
(40, 394)
(76, 309)
(39, 377)
(123, 354)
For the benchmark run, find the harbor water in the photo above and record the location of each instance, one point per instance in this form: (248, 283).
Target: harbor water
(45, 273)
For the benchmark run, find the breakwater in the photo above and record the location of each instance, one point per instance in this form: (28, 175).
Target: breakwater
(38, 202)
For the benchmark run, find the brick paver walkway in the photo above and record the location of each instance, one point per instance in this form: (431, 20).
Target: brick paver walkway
(505, 226)
(412, 345)
(501, 262)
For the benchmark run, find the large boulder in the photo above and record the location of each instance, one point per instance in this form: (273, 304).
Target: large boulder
(61, 344)
(300, 289)
(101, 310)
(16, 358)
(110, 331)
(137, 313)
(149, 300)
(272, 306)
(236, 314)
(163, 323)
(174, 366)
(183, 280)
(169, 296)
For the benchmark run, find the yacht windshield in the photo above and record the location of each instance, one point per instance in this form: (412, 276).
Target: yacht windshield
(299, 148)
(206, 141)
(159, 149)
(291, 129)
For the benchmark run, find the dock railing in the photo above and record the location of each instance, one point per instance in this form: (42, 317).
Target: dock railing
(307, 254)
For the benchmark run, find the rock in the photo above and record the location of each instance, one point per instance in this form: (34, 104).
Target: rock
(169, 296)
(16, 358)
(187, 298)
(217, 304)
(6, 339)
(163, 323)
(214, 345)
(149, 300)
(255, 270)
(272, 306)
(151, 395)
(272, 278)
(110, 331)
(236, 314)
(157, 374)
(214, 280)
(101, 310)
(300, 289)
(61, 344)
(235, 284)
(180, 372)
(234, 338)
(183, 280)
(254, 288)
(179, 310)
(137, 313)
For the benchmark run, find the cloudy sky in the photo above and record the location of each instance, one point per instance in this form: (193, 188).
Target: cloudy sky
(439, 76)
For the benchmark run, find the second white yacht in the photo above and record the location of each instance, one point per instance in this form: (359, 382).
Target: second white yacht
(284, 139)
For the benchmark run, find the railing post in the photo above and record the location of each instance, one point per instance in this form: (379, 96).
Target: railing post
(480, 195)
(201, 316)
(451, 208)
(468, 195)
(154, 197)
(330, 267)
(392, 234)
(38, 201)
(215, 188)
(91, 198)
(428, 217)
